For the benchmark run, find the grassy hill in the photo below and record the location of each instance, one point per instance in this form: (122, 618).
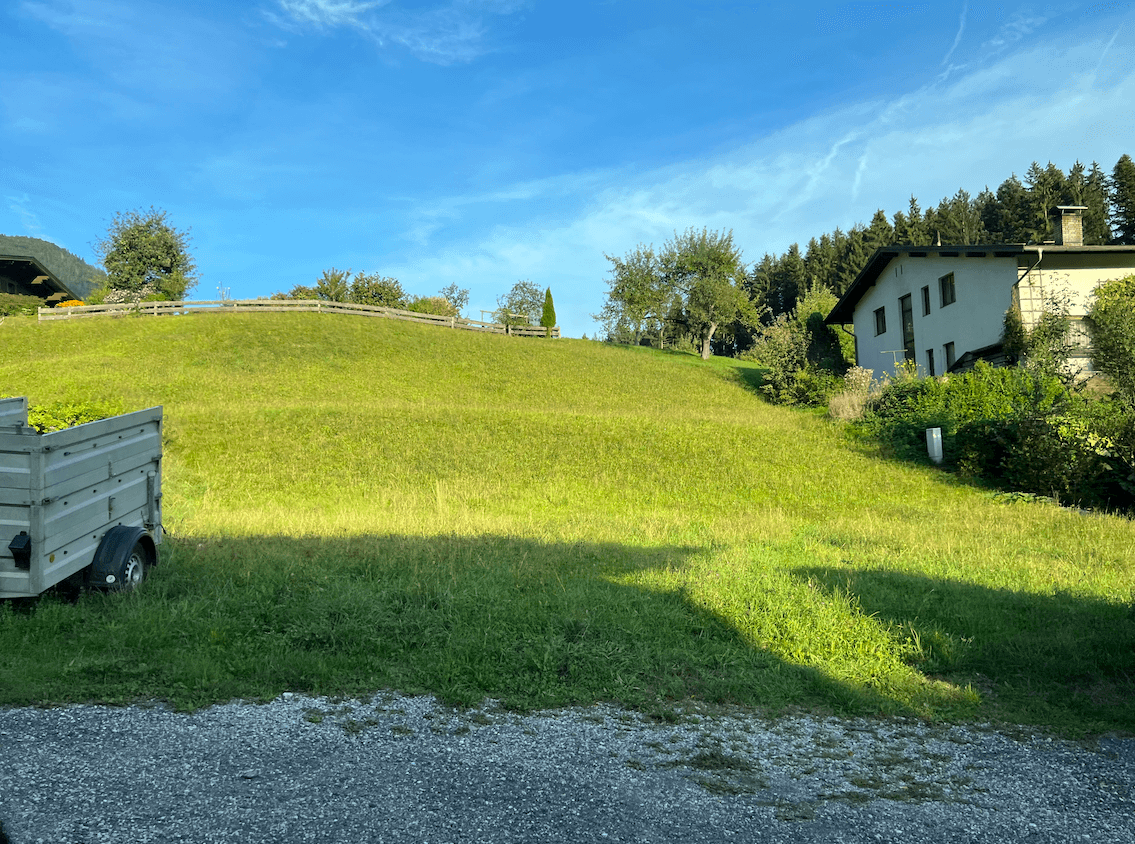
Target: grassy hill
(358, 503)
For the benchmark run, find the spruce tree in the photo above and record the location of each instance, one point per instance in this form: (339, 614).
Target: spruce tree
(1123, 201)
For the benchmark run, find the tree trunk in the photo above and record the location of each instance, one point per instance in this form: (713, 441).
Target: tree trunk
(705, 352)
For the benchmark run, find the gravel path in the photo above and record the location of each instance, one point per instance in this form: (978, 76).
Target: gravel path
(406, 769)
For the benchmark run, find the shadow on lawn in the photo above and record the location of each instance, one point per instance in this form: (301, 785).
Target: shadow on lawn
(1053, 659)
(465, 618)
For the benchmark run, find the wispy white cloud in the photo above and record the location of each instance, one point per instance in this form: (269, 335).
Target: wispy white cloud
(331, 12)
(18, 205)
(970, 132)
(958, 37)
(447, 34)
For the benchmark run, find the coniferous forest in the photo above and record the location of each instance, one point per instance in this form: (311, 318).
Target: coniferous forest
(1017, 212)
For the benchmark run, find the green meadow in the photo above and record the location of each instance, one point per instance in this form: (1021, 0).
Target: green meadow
(357, 504)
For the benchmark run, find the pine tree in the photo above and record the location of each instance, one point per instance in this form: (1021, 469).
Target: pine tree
(1097, 226)
(1123, 202)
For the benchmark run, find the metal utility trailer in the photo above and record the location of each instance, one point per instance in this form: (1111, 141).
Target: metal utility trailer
(83, 503)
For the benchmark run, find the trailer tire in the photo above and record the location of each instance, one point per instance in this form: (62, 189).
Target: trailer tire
(123, 558)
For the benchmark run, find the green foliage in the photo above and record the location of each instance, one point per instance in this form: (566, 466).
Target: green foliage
(522, 305)
(638, 297)
(375, 289)
(332, 285)
(706, 268)
(1046, 347)
(436, 305)
(805, 358)
(13, 304)
(57, 415)
(1111, 325)
(145, 256)
(456, 296)
(548, 318)
(1058, 455)
(1016, 428)
(1123, 201)
(903, 410)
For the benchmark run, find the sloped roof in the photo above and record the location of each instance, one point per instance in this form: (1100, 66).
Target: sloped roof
(29, 272)
(842, 313)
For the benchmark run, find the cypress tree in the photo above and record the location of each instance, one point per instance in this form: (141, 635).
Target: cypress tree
(548, 319)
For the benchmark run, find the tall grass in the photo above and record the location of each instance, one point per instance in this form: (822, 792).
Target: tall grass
(357, 504)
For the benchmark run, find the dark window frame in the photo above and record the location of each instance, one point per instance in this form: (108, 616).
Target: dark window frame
(930, 363)
(948, 348)
(947, 289)
(880, 321)
(926, 300)
(906, 317)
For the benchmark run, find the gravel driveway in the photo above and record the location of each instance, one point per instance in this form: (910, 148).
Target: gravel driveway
(406, 769)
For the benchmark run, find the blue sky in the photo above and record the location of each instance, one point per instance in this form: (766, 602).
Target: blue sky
(479, 142)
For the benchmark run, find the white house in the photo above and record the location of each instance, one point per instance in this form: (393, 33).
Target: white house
(943, 307)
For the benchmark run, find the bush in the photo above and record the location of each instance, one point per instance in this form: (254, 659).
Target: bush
(436, 305)
(1111, 325)
(1021, 430)
(13, 304)
(805, 359)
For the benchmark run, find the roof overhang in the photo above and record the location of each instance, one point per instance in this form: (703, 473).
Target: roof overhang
(844, 310)
(32, 276)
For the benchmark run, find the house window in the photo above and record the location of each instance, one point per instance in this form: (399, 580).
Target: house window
(1078, 337)
(930, 362)
(926, 300)
(949, 350)
(906, 309)
(946, 287)
(880, 321)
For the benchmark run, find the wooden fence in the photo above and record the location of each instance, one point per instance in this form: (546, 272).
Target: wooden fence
(261, 305)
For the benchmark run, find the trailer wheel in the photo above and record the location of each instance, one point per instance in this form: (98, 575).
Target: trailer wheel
(123, 558)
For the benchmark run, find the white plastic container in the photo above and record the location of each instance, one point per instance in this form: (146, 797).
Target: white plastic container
(934, 445)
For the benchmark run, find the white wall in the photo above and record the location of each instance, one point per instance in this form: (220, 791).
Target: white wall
(983, 288)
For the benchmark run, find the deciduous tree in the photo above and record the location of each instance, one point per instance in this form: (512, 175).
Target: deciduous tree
(522, 305)
(145, 256)
(638, 297)
(706, 268)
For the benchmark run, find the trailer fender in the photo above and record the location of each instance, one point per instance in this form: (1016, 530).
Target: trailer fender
(122, 558)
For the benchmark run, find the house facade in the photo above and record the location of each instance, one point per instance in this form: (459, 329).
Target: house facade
(943, 307)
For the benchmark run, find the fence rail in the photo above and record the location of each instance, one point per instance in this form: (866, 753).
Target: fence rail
(314, 305)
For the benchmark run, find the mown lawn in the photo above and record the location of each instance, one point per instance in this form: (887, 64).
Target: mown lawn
(358, 504)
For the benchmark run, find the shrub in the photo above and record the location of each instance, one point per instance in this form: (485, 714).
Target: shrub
(1111, 325)
(436, 305)
(13, 304)
(904, 409)
(804, 358)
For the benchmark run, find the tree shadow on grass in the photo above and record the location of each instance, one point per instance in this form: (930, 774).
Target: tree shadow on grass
(531, 624)
(1062, 659)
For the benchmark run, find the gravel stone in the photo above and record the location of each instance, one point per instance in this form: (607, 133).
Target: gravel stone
(408, 769)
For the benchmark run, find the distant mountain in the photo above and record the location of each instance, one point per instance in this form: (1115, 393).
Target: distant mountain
(72, 270)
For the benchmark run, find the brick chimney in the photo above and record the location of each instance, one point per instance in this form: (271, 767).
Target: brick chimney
(1068, 222)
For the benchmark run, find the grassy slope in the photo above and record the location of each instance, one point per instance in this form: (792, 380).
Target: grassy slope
(359, 503)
